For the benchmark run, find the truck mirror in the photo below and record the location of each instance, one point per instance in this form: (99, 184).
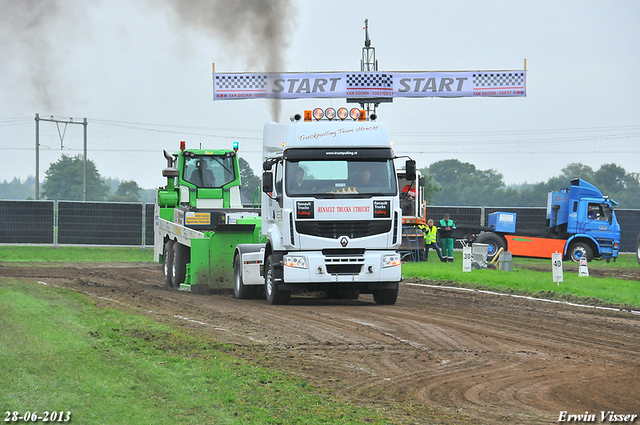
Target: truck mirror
(267, 182)
(422, 181)
(410, 167)
(268, 163)
(170, 172)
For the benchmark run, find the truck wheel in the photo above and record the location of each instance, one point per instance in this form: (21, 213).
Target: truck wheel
(179, 264)
(274, 295)
(638, 249)
(386, 296)
(167, 262)
(240, 291)
(580, 250)
(494, 241)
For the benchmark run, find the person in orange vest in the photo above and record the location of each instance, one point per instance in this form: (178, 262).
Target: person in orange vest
(447, 226)
(430, 232)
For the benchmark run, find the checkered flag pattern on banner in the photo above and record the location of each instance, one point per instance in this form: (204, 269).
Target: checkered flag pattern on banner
(373, 80)
(241, 82)
(497, 79)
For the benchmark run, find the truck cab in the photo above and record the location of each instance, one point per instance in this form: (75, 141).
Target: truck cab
(207, 178)
(330, 210)
(585, 217)
(412, 200)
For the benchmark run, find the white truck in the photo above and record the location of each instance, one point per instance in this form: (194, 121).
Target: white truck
(330, 211)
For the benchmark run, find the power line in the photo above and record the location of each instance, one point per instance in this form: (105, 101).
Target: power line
(517, 132)
(466, 142)
(398, 151)
(114, 122)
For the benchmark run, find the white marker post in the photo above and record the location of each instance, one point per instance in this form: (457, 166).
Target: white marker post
(466, 258)
(583, 270)
(556, 264)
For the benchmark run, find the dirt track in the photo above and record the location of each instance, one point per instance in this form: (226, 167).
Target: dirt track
(439, 355)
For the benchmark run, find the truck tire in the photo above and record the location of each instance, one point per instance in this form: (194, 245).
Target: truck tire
(167, 263)
(179, 264)
(494, 241)
(638, 249)
(240, 290)
(386, 296)
(579, 250)
(274, 295)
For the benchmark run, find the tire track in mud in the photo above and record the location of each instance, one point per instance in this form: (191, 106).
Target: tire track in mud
(560, 352)
(490, 357)
(530, 374)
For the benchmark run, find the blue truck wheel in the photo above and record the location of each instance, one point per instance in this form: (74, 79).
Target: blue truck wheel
(579, 250)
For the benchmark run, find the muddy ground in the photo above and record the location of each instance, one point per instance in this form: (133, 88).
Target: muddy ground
(439, 355)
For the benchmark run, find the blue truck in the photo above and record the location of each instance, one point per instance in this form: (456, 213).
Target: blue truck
(580, 223)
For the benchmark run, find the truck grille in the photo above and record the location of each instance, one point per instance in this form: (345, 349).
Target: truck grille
(344, 265)
(344, 269)
(335, 229)
(605, 242)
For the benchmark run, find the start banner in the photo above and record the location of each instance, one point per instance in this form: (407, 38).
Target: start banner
(369, 85)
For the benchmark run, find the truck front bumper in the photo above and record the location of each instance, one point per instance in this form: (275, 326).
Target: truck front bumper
(312, 267)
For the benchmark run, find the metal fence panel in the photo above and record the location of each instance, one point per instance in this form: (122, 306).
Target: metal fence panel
(148, 224)
(460, 215)
(629, 227)
(26, 222)
(99, 223)
(108, 223)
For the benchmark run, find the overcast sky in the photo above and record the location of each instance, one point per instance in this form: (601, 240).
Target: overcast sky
(140, 72)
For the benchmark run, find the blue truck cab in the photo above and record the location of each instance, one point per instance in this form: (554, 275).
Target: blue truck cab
(584, 217)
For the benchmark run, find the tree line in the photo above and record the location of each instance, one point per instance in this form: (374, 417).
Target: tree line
(64, 181)
(448, 182)
(454, 183)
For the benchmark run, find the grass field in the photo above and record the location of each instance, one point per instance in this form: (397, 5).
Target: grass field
(534, 277)
(74, 253)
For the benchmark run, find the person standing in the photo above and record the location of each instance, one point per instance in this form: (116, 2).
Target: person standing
(447, 227)
(430, 232)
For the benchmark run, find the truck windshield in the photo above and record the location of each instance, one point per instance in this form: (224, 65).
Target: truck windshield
(340, 177)
(209, 170)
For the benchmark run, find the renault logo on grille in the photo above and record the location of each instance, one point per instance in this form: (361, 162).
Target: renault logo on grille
(344, 241)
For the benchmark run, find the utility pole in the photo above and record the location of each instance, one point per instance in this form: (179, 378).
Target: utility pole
(369, 63)
(65, 122)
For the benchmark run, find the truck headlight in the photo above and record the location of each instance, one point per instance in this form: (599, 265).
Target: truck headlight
(299, 261)
(391, 260)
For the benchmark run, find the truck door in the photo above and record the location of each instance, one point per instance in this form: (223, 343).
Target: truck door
(596, 219)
